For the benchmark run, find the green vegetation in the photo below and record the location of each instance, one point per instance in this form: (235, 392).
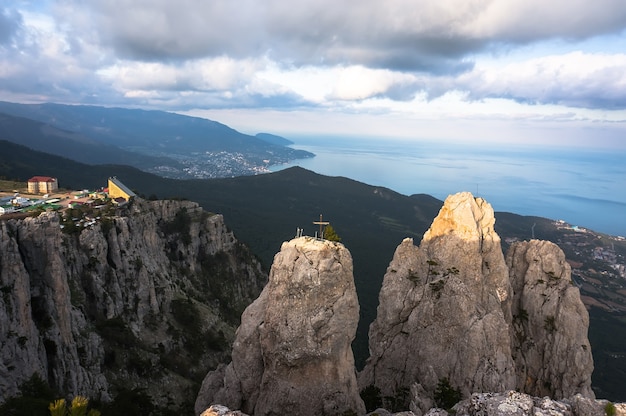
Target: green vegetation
(446, 396)
(437, 286)
(609, 355)
(36, 398)
(371, 397)
(180, 225)
(609, 409)
(72, 218)
(78, 407)
(550, 324)
(119, 339)
(186, 314)
(414, 276)
(522, 315)
(135, 402)
(33, 399)
(330, 234)
(431, 268)
(195, 338)
(397, 402)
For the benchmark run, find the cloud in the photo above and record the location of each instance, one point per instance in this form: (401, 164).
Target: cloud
(43, 63)
(359, 83)
(577, 79)
(338, 55)
(403, 35)
(212, 82)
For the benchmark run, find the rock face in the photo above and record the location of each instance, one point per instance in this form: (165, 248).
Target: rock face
(130, 302)
(513, 403)
(549, 328)
(292, 353)
(442, 308)
(508, 403)
(449, 309)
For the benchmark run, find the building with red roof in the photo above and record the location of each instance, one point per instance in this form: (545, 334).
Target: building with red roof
(42, 185)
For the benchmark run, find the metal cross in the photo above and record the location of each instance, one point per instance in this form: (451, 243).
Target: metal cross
(321, 223)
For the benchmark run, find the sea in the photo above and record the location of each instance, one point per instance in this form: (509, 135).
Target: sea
(584, 187)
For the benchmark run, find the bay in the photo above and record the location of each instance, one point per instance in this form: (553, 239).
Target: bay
(582, 186)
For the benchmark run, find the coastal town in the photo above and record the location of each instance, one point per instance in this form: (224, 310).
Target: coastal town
(598, 263)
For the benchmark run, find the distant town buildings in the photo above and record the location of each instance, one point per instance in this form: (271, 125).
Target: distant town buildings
(42, 185)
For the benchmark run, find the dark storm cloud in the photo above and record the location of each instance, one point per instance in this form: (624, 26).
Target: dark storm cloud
(402, 35)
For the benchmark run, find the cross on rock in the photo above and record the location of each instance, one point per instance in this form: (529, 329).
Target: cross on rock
(322, 224)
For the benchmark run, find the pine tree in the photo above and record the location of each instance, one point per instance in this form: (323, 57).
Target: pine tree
(330, 234)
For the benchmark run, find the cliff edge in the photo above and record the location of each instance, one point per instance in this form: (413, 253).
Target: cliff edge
(144, 297)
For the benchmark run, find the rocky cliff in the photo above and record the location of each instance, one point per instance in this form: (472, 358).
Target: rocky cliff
(450, 311)
(146, 296)
(549, 327)
(292, 353)
(443, 309)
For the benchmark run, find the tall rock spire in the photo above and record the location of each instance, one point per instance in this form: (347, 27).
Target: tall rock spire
(443, 309)
(454, 309)
(549, 328)
(292, 353)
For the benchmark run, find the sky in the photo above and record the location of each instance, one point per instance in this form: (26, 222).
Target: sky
(528, 71)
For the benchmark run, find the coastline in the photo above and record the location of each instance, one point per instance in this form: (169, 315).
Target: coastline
(573, 184)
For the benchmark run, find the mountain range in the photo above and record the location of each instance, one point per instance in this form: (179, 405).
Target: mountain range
(169, 144)
(265, 210)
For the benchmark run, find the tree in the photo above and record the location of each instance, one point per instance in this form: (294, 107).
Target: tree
(77, 408)
(330, 234)
(446, 396)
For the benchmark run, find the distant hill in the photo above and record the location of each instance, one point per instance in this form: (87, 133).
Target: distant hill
(76, 146)
(191, 141)
(265, 210)
(272, 138)
(20, 162)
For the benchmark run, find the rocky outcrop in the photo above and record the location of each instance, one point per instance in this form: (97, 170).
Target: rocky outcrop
(549, 329)
(146, 296)
(292, 353)
(443, 309)
(513, 403)
(219, 410)
(508, 403)
(451, 311)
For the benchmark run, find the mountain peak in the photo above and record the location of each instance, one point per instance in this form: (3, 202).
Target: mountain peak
(466, 216)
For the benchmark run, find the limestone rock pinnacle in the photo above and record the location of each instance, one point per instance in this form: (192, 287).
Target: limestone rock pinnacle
(443, 308)
(292, 353)
(549, 328)
(454, 309)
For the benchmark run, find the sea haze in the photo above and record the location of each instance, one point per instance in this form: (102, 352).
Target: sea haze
(585, 187)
